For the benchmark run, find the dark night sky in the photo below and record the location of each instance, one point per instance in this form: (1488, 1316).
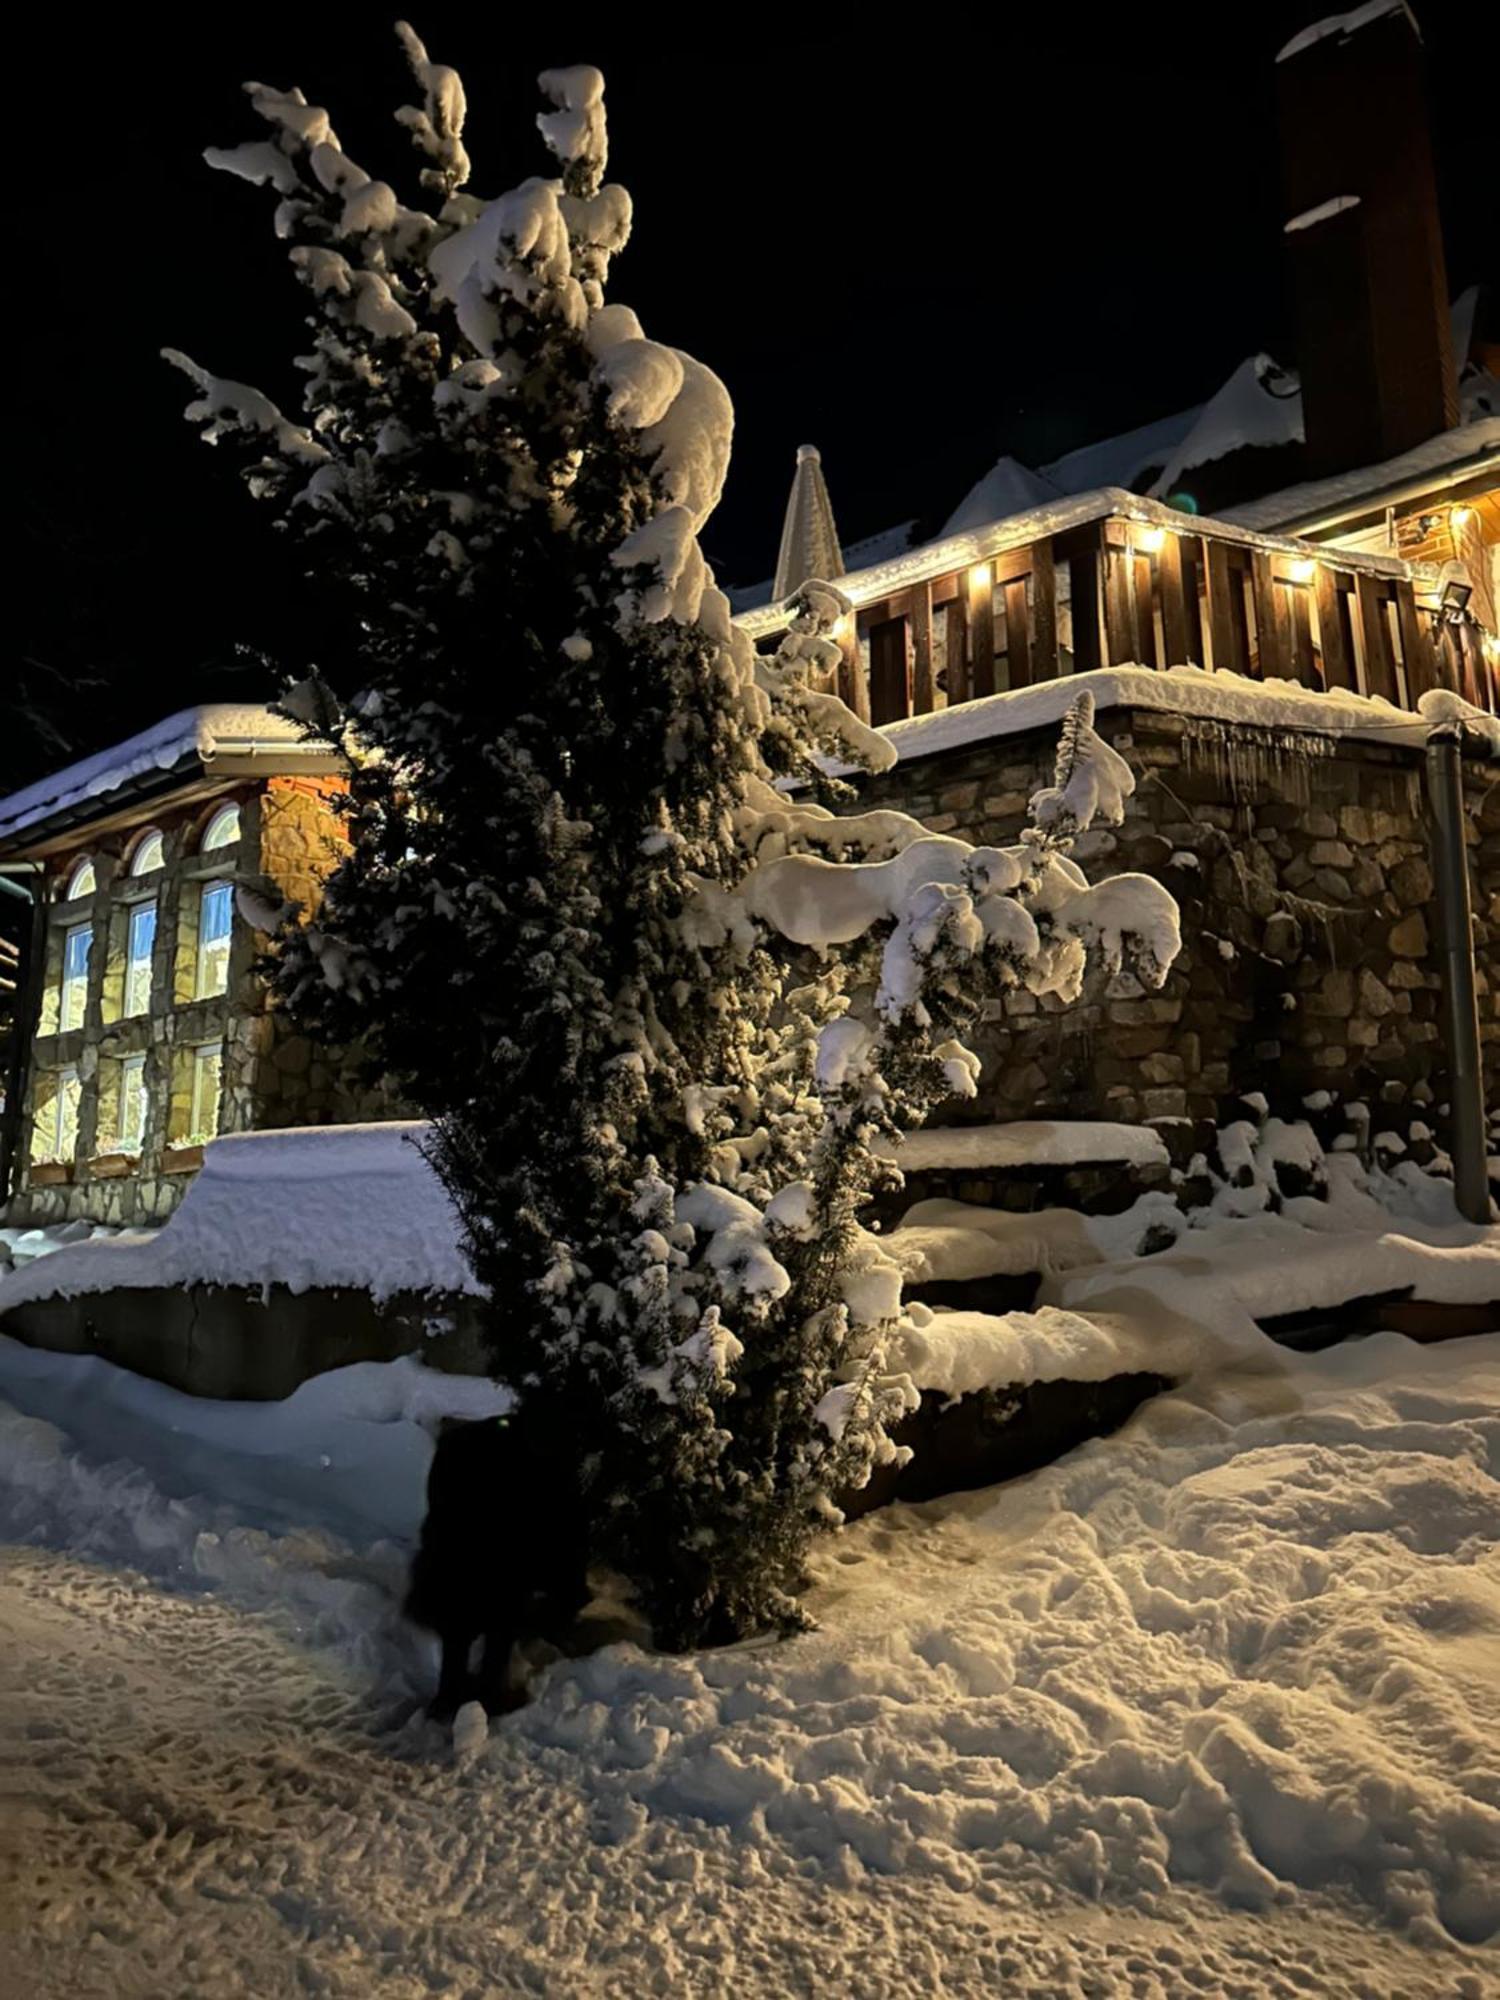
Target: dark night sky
(1016, 231)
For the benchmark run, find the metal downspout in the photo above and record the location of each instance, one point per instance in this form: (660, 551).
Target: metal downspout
(1450, 867)
(27, 1002)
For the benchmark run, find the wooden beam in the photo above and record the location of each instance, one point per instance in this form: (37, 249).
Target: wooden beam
(1119, 612)
(1044, 661)
(1017, 635)
(1334, 635)
(1226, 618)
(888, 697)
(1299, 603)
(1145, 611)
(852, 689)
(922, 692)
(1174, 618)
(1416, 644)
(1270, 630)
(1380, 665)
(981, 630)
(1083, 552)
(959, 684)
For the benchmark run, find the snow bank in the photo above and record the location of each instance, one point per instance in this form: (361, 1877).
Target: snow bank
(1031, 1143)
(951, 1241)
(353, 1205)
(349, 1449)
(215, 730)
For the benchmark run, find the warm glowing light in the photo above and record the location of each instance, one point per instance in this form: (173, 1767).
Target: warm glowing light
(1149, 540)
(843, 628)
(979, 577)
(1460, 517)
(1301, 571)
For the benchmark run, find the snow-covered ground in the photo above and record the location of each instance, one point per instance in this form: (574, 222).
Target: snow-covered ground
(1210, 1707)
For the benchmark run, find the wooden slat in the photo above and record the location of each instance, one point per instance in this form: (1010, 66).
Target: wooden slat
(1044, 661)
(1270, 629)
(1416, 644)
(888, 698)
(1012, 563)
(1088, 630)
(851, 677)
(1380, 667)
(1119, 612)
(1017, 635)
(1145, 612)
(921, 648)
(1226, 610)
(1333, 628)
(958, 651)
(1299, 603)
(981, 631)
(1174, 619)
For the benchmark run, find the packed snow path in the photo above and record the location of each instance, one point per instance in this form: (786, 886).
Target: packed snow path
(1209, 1708)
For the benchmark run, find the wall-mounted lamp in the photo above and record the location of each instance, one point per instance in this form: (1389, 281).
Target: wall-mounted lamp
(1149, 540)
(1301, 570)
(979, 576)
(1455, 598)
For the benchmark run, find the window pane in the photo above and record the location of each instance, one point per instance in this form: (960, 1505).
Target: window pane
(148, 855)
(215, 916)
(223, 830)
(206, 1068)
(138, 958)
(75, 983)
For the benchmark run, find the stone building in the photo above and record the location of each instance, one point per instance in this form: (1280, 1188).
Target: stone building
(145, 1028)
(1299, 859)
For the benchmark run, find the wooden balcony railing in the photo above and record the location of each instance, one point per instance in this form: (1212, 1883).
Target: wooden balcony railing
(1112, 579)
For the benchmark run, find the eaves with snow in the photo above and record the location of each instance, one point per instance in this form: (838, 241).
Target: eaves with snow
(217, 740)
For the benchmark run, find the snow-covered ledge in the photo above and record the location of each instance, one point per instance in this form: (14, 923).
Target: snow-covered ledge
(1196, 691)
(353, 1206)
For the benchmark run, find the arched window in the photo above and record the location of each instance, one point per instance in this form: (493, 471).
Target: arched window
(82, 881)
(223, 830)
(148, 855)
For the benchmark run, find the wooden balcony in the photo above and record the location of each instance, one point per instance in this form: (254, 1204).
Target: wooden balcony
(1111, 579)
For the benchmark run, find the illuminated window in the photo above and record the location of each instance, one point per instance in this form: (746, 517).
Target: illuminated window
(208, 1062)
(78, 942)
(55, 1133)
(132, 1103)
(141, 940)
(223, 830)
(215, 918)
(82, 882)
(148, 855)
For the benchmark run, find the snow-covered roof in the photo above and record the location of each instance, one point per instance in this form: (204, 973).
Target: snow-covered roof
(1120, 461)
(1345, 25)
(1468, 449)
(226, 736)
(1007, 488)
(1248, 411)
(1198, 691)
(809, 538)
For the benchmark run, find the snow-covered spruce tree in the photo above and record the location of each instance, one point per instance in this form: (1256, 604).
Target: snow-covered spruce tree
(662, 1007)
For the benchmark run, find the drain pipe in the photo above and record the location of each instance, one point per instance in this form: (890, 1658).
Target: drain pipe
(1450, 867)
(27, 891)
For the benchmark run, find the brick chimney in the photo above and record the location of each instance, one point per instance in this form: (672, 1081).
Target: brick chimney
(1365, 238)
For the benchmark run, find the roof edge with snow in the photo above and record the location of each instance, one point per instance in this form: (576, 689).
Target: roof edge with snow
(216, 739)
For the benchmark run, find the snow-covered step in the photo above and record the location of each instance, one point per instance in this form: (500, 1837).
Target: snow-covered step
(1031, 1143)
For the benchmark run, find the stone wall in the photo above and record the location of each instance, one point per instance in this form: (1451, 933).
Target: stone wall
(1301, 868)
(268, 1076)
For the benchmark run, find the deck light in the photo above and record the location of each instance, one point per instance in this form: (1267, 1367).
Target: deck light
(1459, 518)
(1301, 570)
(1149, 540)
(979, 576)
